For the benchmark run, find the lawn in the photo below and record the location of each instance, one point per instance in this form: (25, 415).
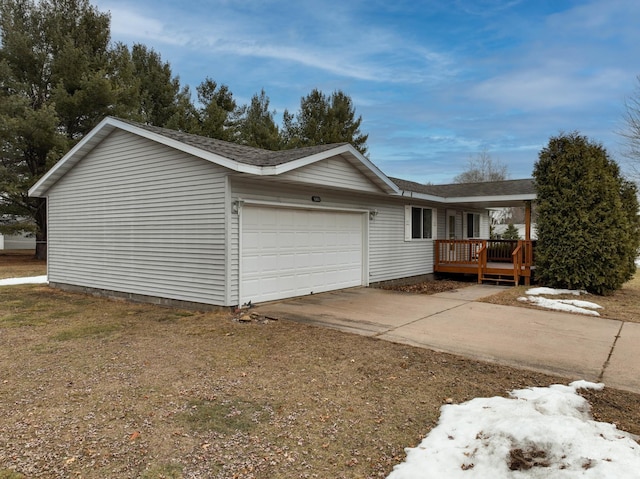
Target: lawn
(94, 388)
(16, 263)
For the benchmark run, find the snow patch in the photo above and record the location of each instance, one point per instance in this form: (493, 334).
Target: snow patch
(29, 280)
(566, 305)
(553, 291)
(535, 433)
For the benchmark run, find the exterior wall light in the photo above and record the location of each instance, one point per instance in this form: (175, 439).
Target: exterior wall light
(236, 205)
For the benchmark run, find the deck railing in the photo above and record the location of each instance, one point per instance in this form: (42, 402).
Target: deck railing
(458, 251)
(500, 251)
(474, 254)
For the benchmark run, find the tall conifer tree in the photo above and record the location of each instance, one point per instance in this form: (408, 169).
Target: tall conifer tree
(587, 220)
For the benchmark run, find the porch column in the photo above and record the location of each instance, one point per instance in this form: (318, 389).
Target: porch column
(527, 220)
(527, 237)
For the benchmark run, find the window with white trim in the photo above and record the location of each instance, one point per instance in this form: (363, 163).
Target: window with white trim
(473, 225)
(419, 223)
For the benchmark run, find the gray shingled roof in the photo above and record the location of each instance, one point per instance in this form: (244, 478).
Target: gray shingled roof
(240, 153)
(260, 157)
(458, 190)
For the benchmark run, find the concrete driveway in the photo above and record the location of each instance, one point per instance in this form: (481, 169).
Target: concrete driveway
(569, 345)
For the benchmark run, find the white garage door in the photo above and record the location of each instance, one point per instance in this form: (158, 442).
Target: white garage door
(289, 252)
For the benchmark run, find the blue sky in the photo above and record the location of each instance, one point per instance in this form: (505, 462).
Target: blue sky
(436, 82)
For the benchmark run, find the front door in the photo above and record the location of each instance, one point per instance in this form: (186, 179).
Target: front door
(451, 234)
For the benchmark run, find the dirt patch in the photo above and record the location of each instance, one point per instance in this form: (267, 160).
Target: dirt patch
(525, 459)
(429, 287)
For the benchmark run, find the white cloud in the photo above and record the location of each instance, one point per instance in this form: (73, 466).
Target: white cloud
(322, 39)
(126, 23)
(485, 8)
(550, 87)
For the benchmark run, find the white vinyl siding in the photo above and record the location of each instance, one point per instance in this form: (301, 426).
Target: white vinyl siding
(333, 172)
(137, 217)
(389, 256)
(441, 223)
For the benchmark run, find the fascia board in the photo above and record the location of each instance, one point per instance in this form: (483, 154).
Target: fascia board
(490, 199)
(466, 199)
(421, 196)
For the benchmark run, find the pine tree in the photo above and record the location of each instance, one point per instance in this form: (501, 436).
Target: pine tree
(159, 90)
(510, 233)
(256, 126)
(323, 120)
(586, 238)
(54, 87)
(59, 77)
(218, 113)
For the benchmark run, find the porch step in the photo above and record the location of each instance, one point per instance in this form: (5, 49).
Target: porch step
(498, 278)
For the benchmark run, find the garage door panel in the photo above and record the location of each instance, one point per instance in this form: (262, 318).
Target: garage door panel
(288, 252)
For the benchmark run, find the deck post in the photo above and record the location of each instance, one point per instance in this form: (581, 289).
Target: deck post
(527, 220)
(527, 237)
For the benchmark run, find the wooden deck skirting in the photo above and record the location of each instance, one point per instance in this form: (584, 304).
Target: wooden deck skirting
(492, 260)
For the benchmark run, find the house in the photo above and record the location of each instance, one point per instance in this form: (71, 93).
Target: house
(159, 215)
(17, 241)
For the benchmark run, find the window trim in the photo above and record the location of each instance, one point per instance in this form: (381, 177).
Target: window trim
(408, 222)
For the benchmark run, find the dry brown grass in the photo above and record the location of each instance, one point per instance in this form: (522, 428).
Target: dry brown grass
(94, 388)
(19, 263)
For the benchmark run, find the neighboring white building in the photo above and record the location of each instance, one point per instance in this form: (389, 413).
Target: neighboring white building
(500, 229)
(159, 215)
(12, 242)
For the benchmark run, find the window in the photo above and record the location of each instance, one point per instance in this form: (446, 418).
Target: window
(418, 223)
(473, 225)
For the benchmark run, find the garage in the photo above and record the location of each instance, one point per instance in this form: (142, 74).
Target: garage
(287, 252)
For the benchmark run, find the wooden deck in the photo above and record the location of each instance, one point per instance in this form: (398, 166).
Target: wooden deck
(500, 261)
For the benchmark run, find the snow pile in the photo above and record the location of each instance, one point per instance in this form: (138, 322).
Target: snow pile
(554, 291)
(537, 433)
(30, 280)
(568, 305)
